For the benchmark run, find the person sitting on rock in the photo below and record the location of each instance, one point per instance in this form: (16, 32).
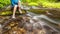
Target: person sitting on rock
(16, 4)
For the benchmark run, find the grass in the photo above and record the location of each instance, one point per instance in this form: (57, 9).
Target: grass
(51, 5)
(46, 4)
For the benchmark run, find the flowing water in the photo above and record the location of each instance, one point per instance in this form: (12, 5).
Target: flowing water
(45, 21)
(39, 24)
(30, 23)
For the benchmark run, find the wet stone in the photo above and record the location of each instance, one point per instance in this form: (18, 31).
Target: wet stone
(22, 25)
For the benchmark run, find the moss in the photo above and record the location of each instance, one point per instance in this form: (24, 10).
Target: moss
(37, 11)
(4, 13)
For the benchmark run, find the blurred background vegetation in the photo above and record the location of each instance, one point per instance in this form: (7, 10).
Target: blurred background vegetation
(43, 3)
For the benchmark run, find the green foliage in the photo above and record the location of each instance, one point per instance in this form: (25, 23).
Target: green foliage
(4, 3)
(43, 3)
(46, 3)
(51, 5)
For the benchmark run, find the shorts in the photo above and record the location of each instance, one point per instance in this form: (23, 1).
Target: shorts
(14, 2)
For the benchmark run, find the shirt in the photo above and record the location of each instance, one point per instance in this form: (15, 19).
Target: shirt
(15, 2)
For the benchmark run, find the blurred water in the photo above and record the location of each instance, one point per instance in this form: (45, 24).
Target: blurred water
(42, 21)
(1, 29)
(39, 23)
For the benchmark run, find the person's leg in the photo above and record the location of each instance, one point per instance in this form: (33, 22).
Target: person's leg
(14, 10)
(19, 8)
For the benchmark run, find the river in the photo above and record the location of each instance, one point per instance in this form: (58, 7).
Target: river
(29, 23)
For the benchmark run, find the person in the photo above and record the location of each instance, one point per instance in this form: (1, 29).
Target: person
(16, 4)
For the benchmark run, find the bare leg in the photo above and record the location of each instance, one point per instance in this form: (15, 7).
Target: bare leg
(19, 7)
(20, 10)
(14, 10)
